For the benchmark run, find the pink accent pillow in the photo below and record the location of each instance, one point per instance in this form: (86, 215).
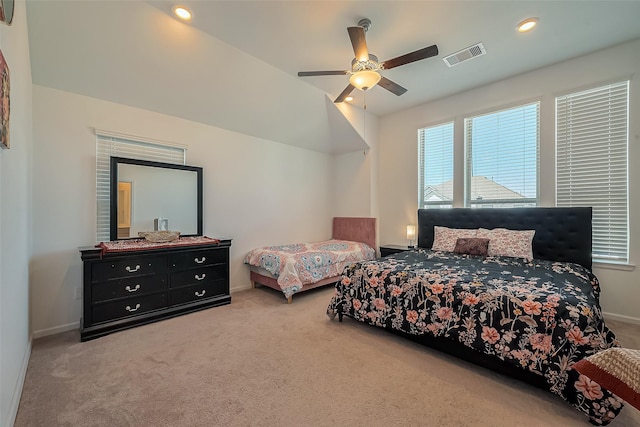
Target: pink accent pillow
(472, 246)
(513, 243)
(444, 239)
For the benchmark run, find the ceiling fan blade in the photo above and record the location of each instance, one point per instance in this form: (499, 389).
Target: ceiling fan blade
(321, 73)
(359, 43)
(344, 93)
(391, 86)
(408, 58)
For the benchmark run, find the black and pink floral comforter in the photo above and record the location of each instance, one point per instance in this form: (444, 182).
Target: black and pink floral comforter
(541, 316)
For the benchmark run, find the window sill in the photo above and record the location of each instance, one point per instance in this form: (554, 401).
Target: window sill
(614, 265)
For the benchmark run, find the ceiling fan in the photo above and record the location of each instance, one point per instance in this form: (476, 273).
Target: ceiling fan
(365, 68)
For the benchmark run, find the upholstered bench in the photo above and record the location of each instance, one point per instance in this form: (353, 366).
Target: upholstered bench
(616, 369)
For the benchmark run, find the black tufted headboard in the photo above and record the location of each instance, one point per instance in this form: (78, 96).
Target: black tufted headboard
(562, 234)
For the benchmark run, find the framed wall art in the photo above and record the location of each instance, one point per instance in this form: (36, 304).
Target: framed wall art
(6, 11)
(4, 102)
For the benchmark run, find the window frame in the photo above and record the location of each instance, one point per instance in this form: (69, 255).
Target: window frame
(468, 159)
(608, 253)
(110, 144)
(422, 203)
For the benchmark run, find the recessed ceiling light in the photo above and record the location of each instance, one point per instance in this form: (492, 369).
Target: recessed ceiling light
(349, 98)
(182, 13)
(527, 25)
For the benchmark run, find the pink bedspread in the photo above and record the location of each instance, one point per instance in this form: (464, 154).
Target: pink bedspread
(303, 263)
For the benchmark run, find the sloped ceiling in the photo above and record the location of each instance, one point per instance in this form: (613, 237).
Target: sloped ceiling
(235, 65)
(131, 53)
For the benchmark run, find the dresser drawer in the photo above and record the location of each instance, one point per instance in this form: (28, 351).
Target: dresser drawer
(102, 271)
(192, 259)
(200, 291)
(103, 312)
(198, 275)
(128, 287)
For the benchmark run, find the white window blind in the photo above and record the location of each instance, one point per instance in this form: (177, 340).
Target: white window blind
(502, 157)
(435, 165)
(591, 163)
(108, 146)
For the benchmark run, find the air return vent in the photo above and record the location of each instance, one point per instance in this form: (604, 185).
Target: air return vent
(465, 54)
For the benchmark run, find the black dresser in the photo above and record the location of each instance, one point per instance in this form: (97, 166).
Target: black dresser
(126, 289)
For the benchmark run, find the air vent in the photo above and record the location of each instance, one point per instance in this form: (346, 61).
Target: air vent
(465, 54)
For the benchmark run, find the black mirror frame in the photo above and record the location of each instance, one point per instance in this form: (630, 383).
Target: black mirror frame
(113, 189)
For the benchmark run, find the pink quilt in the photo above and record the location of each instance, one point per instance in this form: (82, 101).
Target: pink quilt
(303, 263)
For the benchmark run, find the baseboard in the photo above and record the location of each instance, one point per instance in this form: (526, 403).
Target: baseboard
(56, 330)
(240, 288)
(621, 318)
(17, 391)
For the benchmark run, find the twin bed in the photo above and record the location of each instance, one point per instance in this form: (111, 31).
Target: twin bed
(302, 266)
(532, 319)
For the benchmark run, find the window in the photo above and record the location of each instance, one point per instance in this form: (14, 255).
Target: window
(591, 163)
(435, 151)
(502, 158)
(108, 145)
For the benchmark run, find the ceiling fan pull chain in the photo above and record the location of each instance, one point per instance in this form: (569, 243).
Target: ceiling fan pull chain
(364, 122)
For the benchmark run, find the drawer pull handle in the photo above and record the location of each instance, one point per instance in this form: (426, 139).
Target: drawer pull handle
(131, 310)
(201, 294)
(200, 261)
(132, 270)
(128, 288)
(200, 277)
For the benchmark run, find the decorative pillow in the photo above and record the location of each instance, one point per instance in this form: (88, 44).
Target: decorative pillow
(444, 239)
(472, 246)
(513, 243)
(617, 370)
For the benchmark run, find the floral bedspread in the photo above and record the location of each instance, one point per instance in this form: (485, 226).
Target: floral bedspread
(541, 316)
(303, 263)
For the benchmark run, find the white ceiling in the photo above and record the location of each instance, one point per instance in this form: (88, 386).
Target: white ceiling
(311, 35)
(235, 65)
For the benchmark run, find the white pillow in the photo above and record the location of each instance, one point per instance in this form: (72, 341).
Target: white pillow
(444, 239)
(513, 243)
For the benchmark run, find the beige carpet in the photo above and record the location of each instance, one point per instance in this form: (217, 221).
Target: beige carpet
(261, 362)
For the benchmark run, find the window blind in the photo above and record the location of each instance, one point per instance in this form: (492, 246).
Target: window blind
(502, 157)
(591, 163)
(108, 146)
(435, 165)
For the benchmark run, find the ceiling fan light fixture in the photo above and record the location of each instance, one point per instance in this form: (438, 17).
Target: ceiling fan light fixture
(527, 25)
(364, 80)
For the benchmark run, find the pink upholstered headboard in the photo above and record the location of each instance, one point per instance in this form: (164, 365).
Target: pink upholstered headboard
(355, 229)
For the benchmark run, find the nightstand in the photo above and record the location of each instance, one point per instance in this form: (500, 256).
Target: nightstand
(392, 249)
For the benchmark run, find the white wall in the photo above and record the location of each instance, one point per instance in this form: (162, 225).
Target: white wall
(398, 187)
(15, 220)
(355, 173)
(256, 192)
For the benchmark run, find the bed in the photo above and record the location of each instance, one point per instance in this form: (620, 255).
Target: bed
(299, 267)
(529, 319)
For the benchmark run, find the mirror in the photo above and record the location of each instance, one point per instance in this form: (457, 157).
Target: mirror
(147, 196)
